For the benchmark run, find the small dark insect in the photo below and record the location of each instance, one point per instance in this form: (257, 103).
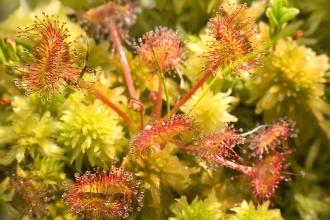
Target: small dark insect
(85, 69)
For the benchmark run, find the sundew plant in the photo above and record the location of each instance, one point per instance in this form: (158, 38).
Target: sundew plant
(159, 109)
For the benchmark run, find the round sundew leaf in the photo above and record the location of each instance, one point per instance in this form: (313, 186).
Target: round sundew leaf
(162, 132)
(103, 193)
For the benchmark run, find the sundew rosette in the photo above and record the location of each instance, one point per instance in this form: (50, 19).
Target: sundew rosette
(32, 194)
(267, 174)
(103, 194)
(272, 137)
(51, 63)
(233, 42)
(101, 19)
(218, 144)
(161, 46)
(161, 132)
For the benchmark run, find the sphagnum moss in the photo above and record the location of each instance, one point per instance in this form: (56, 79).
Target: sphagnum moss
(292, 83)
(213, 110)
(92, 137)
